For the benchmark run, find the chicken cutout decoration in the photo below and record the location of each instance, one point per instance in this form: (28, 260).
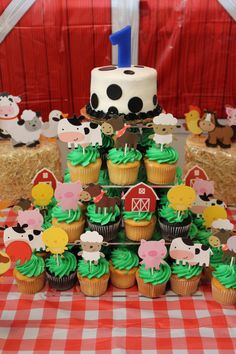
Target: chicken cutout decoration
(91, 243)
(42, 194)
(5, 262)
(19, 251)
(152, 253)
(140, 198)
(181, 197)
(185, 251)
(163, 126)
(68, 195)
(192, 118)
(213, 213)
(55, 240)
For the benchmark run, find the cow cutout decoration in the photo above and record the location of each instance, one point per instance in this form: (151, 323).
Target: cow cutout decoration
(140, 198)
(68, 195)
(163, 126)
(152, 253)
(91, 243)
(19, 251)
(45, 176)
(55, 240)
(181, 197)
(76, 132)
(98, 195)
(42, 194)
(185, 251)
(5, 262)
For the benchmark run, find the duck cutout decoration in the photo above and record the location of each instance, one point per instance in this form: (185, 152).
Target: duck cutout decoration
(45, 176)
(231, 118)
(19, 251)
(192, 118)
(185, 251)
(42, 194)
(218, 135)
(55, 240)
(140, 198)
(91, 243)
(123, 137)
(68, 195)
(163, 126)
(181, 197)
(50, 127)
(152, 253)
(5, 262)
(98, 195)
(213, 213)
(77, 132)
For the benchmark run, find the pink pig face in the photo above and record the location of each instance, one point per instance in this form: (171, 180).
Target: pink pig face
(231, 115)
(33, 218)
(68, 194)
(152, 249)
(202, 186)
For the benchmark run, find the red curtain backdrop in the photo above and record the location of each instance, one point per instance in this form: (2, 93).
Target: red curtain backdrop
(48, 56)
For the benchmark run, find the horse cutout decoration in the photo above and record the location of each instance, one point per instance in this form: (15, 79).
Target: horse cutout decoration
(218, 135)
(124, 138)
(100, 199)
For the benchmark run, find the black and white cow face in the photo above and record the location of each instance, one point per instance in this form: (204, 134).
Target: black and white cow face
(9, 105)
(33, 125)
(21, 233)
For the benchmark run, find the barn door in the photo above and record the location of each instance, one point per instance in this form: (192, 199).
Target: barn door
(140, 204)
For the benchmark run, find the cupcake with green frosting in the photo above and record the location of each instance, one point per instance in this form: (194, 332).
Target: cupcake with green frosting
(215, 260)
(139, 225)
(172, 224)
(84, 164)
(123, 166)
(105, 222)
(123, 266)
(152, 282)
(93, 278)
(30, 276)
(61, 271)
(185, 278)
(223, 284)
(71, 221)
(161, 164)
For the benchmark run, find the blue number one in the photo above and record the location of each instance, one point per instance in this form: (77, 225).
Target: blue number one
(123, 39)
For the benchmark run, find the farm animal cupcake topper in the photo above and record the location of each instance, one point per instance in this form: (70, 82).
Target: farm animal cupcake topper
(181, 198)
(42, 194)
(140, 198)
(152, 253)
(55, 240)
(68, 195)
(91, 243)
(50, 127)
(163, 126)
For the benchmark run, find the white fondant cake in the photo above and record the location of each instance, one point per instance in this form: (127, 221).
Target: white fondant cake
(126, 91)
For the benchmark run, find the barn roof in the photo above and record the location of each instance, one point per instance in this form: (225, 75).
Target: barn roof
(191, 171)
(140, 184)
(44, 170)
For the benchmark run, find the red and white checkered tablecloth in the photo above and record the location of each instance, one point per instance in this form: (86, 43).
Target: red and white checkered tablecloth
(117, 322)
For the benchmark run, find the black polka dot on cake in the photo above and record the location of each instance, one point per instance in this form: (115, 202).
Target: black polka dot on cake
(107, 68)
(112, 110)
(129, 72)
(138, 66)
(94, 100)
(135, 104)
(154, 100)
(114, 92)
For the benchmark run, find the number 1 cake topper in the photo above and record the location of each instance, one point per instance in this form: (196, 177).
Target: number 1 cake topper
(140, 198)
(123, 39)
(163, 126)
(152, 253)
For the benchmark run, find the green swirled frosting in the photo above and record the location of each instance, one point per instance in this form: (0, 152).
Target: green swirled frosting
(136, 216)
(102, 217)
(216, 257)
(66, 264)
(66, 216)
(123, 258)
(67, 178)
(145, 140)
(103, 179)
(186, 271)
(32, 268)
(77, 157)
(91, 270)
(117, 156)
(156, 276)
(167, 155)
(226, 274)
(107, 141)
(203, 236)
(171, 215)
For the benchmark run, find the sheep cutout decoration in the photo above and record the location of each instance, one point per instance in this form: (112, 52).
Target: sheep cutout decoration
(91, 243)
(163, 126)
(140, 198)
(152, 254)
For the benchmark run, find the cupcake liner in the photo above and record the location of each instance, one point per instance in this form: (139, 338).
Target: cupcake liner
(123, 174)
(148, 289)
(170, 231)
(183, 286)
(137, 231)
(64, 283)
(160, 173)
(85, 174)
(109, 231)
(94, 286)
(29, 285)
(73, 230)
(221, 294)
(121, 278)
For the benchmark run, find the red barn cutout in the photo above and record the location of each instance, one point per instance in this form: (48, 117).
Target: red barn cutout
(45, 176)
(140, 198)
(194, 173)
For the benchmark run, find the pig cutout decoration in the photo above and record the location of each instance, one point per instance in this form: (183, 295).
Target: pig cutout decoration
(202, 187)
(68, 195)
(152, 253)
(32, 218)
(185, 251)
